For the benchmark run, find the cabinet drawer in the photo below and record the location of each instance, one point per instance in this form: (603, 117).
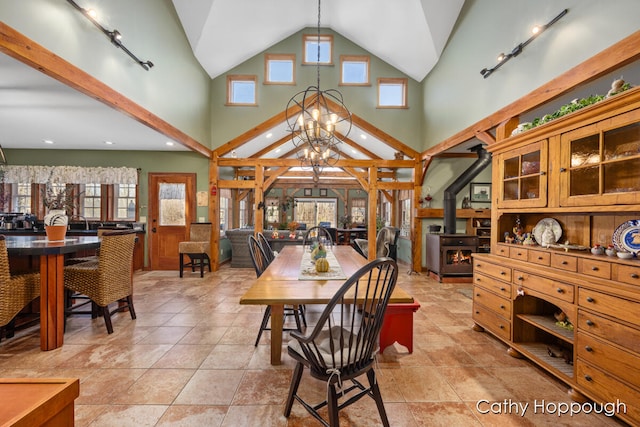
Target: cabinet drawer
(627, 274)
(518, 252)
(609, 389)
(564, 262)
(493, 270)
(492, 301)
(609, 358)
(560, 290)
(539, 257)
(502, 250)
(486, 318)
(619, 308)
(595, 268)
(610, 330)
(490, 283)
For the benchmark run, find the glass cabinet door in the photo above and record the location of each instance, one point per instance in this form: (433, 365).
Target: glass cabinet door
(601, 163)
(523, 176)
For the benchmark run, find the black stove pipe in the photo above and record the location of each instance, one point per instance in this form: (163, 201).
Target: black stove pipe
(484, 160)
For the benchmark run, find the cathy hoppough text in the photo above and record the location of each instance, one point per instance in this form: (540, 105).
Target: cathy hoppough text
(509, 406)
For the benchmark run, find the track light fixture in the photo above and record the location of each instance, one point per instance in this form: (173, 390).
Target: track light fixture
(113, 35)
(537, 30)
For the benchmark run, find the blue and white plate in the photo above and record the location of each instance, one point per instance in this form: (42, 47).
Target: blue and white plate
(627, 236)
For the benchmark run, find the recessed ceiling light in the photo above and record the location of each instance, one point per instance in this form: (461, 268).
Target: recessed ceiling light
(277, 150)
(48, 141)
(353, 151)
(363, 136)
(269, 135)
(109, 142)
(170, 143)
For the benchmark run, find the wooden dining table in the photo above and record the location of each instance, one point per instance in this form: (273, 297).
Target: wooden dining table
(52, 255)
(279, 285)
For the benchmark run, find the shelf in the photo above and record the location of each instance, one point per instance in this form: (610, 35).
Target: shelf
(548, 324)
(460, 213)
(539, 352)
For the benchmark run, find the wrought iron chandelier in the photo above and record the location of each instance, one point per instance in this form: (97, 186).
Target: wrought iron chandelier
(317, 121)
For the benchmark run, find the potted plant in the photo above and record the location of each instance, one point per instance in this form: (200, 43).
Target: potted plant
(345, 220)
(57, 204)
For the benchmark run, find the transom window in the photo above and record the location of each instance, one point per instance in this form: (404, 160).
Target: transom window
(310, 42)
(279, 69)
(392, 93)
(354, 70)
(241, 90)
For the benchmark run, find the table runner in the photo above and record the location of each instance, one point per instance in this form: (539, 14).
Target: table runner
(308, 268)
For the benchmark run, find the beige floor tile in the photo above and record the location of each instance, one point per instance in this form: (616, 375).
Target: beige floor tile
(191, 416)
(210, 387)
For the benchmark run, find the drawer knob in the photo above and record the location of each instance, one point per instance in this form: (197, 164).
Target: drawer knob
(519, 254)
(478, 294)
(521, 278)
(477, 312)
(564, 263)
(588, 378)
(634, 276)
(594, 268)
(589, 299)
(560, 290)
(502, 289)
(542, 173)
(502, 306)
(588, 348)
(502, 273)
(563, 169)
(590, 323)
(501, 326)
(540, 258)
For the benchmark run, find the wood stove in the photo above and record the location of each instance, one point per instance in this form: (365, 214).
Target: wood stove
(449, 255)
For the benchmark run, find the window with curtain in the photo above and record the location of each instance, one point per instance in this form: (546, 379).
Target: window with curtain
(359, 210)
(21, 197)
(91, 200)
(125, 201)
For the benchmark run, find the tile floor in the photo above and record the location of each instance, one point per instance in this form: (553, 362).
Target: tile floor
(189, 360)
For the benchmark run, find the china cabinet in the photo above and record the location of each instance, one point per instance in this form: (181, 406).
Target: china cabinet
(572, 312)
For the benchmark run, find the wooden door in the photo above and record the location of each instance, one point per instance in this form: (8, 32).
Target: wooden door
(172, 207)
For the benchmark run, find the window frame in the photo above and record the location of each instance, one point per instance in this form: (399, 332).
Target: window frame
(382, 81)
(231, 79)
(268, 57)
(313, 38)
(355, 58)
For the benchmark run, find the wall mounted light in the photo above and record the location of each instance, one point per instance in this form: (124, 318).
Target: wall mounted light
(113, 35)
(537, 30)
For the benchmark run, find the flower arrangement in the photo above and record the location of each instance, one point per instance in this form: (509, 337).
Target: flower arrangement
(293, 226)
(428, 198)
(58, 204)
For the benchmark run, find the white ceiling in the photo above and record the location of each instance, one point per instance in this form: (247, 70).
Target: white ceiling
(408, 34)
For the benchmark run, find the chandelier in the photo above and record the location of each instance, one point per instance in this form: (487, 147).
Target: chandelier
(314, 117)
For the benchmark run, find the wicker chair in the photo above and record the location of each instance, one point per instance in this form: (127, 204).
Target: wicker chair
(197, 248)
(16, 292)
(260, 263)
(108, 280)
(344, 342)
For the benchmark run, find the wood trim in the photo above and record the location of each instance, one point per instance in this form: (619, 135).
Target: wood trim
(622, 53)
(29, 52)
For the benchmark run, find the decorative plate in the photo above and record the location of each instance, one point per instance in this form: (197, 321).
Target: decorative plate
(627, 236)
(547, 223)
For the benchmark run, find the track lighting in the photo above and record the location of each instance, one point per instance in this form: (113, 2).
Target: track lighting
(537, 30)
(114, 35)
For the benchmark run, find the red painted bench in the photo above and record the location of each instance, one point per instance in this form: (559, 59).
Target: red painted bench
(398, 325)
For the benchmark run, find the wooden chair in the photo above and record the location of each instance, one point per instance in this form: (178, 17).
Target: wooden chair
(108, 280)
(314, 234)
(260, 263)
(266, 247)
(16, 291)
(197, 248)
(344, 342)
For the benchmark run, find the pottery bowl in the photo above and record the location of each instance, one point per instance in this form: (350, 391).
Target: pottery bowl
(625, 255)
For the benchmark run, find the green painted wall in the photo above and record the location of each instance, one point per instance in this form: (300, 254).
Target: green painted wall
(176, 89)
(230, 122)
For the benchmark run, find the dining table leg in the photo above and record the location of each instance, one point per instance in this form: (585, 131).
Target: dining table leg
(51, 301)
(277, 322)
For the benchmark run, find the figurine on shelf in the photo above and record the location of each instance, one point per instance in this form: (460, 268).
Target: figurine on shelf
(518, 231)
(548, 237)
(528, 239)
(508, 238)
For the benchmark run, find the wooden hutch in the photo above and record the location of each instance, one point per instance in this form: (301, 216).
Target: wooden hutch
(583, 171)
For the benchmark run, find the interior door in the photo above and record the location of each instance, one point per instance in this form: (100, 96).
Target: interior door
(172, 207)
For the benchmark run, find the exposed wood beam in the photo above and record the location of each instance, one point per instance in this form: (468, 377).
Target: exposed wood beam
(358, 163)
(485, 137)
(31, 53)
(622, 53)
